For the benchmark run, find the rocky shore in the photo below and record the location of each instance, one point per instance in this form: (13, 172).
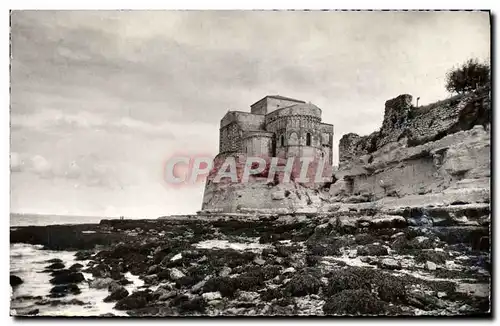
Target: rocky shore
(359, 262)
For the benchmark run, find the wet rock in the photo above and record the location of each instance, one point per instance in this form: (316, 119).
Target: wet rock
(225, 285)
(83, 255)
(422, 301)
(198, 286)
(271, 294)
(303, 284)
(33, 312)
(365, 238)
(387, 222)
(75, 267)
(189, 305)
(347, 279)
(430, 266)
(175, 274)
(355, 302)
(208, 296)
(150, 279)
(312, 260)
(66, 278)
(259, 261)
(153, 269)
(54, 260)
(136, 300)
(124, 281)
(101, 283)
(388, 287)
(438, 257)
(390, 263)
(423, 221)
(419, 242)
(372, 250)
(15, 280)
(225, 271)
(100, 270)
(247, 296)
(54, 303)
(117, 294)
(167, 295)
(62, 290)
(368, 260)
(55, 266)
(186, 281)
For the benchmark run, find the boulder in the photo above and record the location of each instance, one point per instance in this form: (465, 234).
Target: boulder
(175, 274)
(75, 267)
(66, 278)
(55, 266)
(372, 250)
(15, 280)
(355, 302)
(430, 266)
(390, 263)
(101, 283)
(303, 284)
(54, 260)
(208, 296)
(117, 294)
(136, 300)
(83, 255)
(225, 271)
(64, 289)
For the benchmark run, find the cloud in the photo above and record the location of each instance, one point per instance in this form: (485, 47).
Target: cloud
(58, 120)
(87, 171)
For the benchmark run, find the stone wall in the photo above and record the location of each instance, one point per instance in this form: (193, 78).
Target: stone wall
(413, 126)
(258, 143)
(233, 126)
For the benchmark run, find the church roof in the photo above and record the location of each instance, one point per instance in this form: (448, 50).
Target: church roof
(279, 97)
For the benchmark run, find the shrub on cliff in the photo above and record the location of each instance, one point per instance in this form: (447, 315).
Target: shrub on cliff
(469, 76)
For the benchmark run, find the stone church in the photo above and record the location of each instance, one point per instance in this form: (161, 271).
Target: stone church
(277, 126)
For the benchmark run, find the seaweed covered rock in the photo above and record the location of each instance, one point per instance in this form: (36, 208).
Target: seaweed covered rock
(67, 277)
(355, 302)
(117, 294)
(136, 300)
(62, 290)
(372, 250)
(303, 284)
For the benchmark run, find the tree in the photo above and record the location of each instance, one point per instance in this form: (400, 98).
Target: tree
(471, 75)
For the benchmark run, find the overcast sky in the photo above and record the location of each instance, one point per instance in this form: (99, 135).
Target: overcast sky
(100, 99)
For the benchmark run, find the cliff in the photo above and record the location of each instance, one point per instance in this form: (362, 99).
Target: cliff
(410, 126)
(442, 148)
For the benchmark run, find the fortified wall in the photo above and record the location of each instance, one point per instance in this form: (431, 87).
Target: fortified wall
(418, 125)
(441, 150)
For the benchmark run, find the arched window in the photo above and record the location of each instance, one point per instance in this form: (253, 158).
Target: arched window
(308, 139)
(282, 141)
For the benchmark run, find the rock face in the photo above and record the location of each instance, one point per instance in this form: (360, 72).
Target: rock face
(440, 152)
(415, 126)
